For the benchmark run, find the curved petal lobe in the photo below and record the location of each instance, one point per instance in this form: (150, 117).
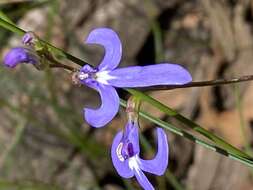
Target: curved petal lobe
(160, 163)
(108, 109)
(112, 45)
(121, 166)
(159, 74)
(143, 181)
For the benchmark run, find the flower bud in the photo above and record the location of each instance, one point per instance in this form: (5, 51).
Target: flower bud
(29, 38)
(20, 55)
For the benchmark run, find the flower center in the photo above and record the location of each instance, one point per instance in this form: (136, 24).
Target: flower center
(83, 76)
(87, 72)
(134, 163)
(125, 151)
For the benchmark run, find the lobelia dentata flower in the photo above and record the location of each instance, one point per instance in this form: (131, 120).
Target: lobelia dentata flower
(125, 155)
(106, 76)
(125, 149)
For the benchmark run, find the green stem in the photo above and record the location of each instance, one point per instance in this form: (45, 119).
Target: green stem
(11, 27)
(170, 112)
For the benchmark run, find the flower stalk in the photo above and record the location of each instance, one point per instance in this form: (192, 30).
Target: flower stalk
(133, 108)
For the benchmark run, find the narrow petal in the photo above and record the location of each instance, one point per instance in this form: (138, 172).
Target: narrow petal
(121, 166)
(108, 109)
(112, 45)
(160, 163)
(143, 181)
(131, 135)
(159, 74)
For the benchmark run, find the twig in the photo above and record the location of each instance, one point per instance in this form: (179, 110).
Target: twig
(216, 82)
(63, 66)
(57, 64)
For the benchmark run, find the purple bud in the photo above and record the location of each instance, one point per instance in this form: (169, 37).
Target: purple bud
(28, 38)
(20, 55)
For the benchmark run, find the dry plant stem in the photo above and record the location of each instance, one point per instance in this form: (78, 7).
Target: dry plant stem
(57, 64)
(200, 83)
(64, 67)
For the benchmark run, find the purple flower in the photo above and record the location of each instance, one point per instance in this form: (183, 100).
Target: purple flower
(106, 76)
(20, 55)
(125, 155)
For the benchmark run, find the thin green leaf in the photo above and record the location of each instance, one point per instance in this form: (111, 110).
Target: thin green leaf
(5, 17)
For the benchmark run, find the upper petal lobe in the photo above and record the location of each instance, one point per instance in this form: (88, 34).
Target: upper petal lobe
(112, 45)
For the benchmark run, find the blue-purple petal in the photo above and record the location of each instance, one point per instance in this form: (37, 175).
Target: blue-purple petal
(143, 181)
(121, 166)
(159, 74)
(112, 45)
(20, 55)
(159, 164)
(131, 135)
(108, 109)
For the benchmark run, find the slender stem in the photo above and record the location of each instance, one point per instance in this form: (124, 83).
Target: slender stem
(63, 66)
(19, 31)
(57, 64)
(216, 82)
